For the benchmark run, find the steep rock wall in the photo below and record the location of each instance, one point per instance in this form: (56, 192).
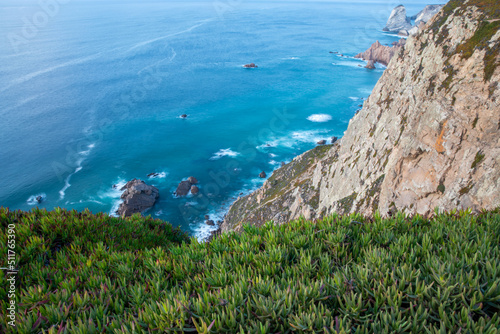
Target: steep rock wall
(427, 137)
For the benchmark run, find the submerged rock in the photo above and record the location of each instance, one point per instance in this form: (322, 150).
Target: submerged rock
(251, 65)
(137, 197)
(210, 223)
(184, 116)
(263, 175)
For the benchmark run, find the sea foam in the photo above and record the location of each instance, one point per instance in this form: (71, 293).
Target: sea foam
(224, 153)
(319, 118)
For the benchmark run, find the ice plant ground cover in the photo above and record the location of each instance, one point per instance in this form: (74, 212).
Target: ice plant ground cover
(85, 273)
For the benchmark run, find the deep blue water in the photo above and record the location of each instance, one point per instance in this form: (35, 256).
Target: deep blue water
(92, 96)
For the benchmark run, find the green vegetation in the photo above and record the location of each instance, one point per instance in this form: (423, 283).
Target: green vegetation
(441, 188)
(342, 274)
(478, 159)
(487, 28)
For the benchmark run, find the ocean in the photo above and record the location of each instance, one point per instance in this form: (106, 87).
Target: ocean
(91, 94)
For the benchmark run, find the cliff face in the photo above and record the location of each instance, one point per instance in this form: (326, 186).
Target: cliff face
(427, 137)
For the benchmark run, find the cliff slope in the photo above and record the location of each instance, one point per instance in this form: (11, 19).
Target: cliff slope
(427, 137)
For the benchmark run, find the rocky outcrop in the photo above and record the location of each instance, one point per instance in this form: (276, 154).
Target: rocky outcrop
(251, 65)
(185, 187)
(137, 197)
(381, 53)
(398, 20)
(400, 23)
(370, 65)
(426, 138)
(426, 14)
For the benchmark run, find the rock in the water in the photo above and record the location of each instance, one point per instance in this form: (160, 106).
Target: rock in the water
(370, 65)
(263, 175)
(207, 217)
(321, 142)
(334, 139)
(137, 197)
(381, 53)
(195, 190)
(210, 223)
(251, 65)
(398, 20)
(183, 188)
(39, 199)
(184, 116)
(186, 186)
(152, 175)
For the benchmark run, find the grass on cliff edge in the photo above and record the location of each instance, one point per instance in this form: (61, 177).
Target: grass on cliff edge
(83, 273)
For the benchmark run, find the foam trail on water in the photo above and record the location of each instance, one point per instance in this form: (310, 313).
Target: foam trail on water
(33, 75)
(169, 35)
(82, 154)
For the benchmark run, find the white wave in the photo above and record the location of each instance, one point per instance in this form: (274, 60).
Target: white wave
(33, 75)
(355, 98)
(319, 118)
(32, 200)
(294, 138)
(114, 193)
(272, 155)
(224, 153)
(349, 64)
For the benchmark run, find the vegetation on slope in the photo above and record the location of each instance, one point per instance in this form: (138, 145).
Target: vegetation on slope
(489, 23)
(343, 274)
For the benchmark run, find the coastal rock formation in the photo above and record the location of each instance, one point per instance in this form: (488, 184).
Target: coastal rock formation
(137, 197)
(195, 190)
(185, 186)
(398, 20)
(370, 65)
(426, 14)
(381, 53)
(251, 65)
(426, 138)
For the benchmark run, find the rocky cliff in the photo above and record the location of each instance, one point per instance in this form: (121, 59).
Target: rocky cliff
(428, 136)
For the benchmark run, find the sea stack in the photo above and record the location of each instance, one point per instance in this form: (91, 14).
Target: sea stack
(137, 197)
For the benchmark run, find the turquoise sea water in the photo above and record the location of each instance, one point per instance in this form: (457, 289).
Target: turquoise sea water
(91, 93)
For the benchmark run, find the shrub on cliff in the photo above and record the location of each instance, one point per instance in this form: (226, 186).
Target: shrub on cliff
(342, 274)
